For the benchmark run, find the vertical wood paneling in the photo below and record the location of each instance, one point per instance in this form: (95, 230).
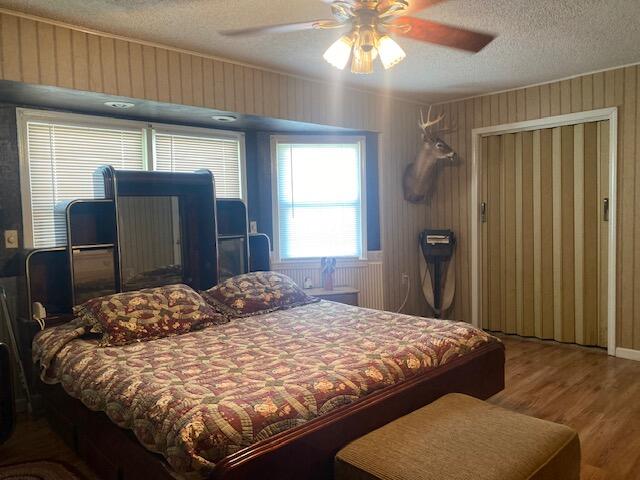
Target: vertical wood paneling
(619, 87)
(238, 80)
(123, 71)
(108, 64)
(196, 81)
(208, 83)
(80, 60)
(29, 50)
(248, 91)
(218, 80)
(136, 66)
(95, 63)
(162, 75)
(46, 54)
(175, 77)
(625, 89)
(186, 84)
(60, 56)
(64, 57)
(554, 98)
(229, 87)
(149, 72)
(62, 61)
(11, 48)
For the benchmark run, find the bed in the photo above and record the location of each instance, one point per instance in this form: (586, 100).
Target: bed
(269, 396)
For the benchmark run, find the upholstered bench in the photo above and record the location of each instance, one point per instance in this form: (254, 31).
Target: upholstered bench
(461, 438)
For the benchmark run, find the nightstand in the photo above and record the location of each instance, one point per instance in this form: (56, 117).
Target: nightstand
(348, 295)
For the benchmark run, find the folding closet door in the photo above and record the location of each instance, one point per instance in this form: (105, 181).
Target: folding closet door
(544, 233)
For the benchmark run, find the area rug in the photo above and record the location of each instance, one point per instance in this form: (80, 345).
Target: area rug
(42, 470)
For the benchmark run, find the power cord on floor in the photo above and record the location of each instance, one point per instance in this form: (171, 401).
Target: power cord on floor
(406, 297)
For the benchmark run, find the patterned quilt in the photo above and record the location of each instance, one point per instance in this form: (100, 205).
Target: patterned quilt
(198, 397)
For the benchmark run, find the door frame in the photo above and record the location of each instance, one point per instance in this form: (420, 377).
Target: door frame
(610, 114)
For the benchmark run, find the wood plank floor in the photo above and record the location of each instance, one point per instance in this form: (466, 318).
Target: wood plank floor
(597, 395)
(584, 388)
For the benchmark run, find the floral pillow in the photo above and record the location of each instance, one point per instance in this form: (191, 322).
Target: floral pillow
(256, 293)
(147, 314)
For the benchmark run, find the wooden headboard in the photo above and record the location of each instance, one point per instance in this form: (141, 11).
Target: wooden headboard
(99, 240)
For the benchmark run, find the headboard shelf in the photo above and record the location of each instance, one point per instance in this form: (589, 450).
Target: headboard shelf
(152, 229)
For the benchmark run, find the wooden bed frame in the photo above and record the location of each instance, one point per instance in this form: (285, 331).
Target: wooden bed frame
(304, 452)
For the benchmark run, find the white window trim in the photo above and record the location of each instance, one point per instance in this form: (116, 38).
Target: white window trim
(25, 115)
(315, 139)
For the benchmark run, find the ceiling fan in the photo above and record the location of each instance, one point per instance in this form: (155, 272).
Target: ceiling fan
(370, 23)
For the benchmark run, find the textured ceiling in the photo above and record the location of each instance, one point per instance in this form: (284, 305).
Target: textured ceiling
(538, 40)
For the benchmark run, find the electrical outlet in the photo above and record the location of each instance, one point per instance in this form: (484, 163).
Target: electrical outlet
(405, 278)
(253, 226)
(10, 239)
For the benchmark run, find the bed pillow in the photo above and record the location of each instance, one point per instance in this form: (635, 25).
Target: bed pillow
(256, 293)
(147, 314)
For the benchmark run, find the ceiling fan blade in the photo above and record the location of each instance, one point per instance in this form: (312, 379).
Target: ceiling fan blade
(414, 5)
(417, 5)
(433, 32)
(282, 28)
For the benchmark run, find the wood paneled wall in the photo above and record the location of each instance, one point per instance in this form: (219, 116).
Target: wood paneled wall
(41, 52)
(620, 88)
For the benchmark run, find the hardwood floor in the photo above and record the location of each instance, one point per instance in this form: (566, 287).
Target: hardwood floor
(584, 388)
(597, 395)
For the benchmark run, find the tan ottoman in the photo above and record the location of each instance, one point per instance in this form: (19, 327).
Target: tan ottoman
(461, 438)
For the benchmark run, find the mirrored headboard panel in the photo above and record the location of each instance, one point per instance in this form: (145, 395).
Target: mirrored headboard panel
(150, 241)
(166, 228)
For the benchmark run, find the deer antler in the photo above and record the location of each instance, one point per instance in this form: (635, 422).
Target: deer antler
(429, 123)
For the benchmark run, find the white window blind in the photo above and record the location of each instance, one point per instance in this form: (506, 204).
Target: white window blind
(182, 153)
(63, 161)
(319, 200)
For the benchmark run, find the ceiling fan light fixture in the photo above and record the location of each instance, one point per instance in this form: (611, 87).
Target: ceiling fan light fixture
(362, 62)
(339, 52)
(390, 52)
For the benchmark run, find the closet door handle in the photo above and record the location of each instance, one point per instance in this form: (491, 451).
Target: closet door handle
(483, 212)
(605, 210)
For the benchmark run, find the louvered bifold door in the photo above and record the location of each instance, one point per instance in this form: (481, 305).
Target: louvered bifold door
(544, 233)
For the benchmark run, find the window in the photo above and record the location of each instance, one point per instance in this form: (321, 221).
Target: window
(184, 153)
(319, 197)
(62, 163)
(60, 155)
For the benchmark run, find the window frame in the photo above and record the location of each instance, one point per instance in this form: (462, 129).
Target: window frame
(275, 210)
(148, 129)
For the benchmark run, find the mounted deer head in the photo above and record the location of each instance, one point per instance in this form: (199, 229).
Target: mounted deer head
(418, 176)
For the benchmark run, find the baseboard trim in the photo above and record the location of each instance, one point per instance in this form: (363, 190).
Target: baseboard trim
(628, 353)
